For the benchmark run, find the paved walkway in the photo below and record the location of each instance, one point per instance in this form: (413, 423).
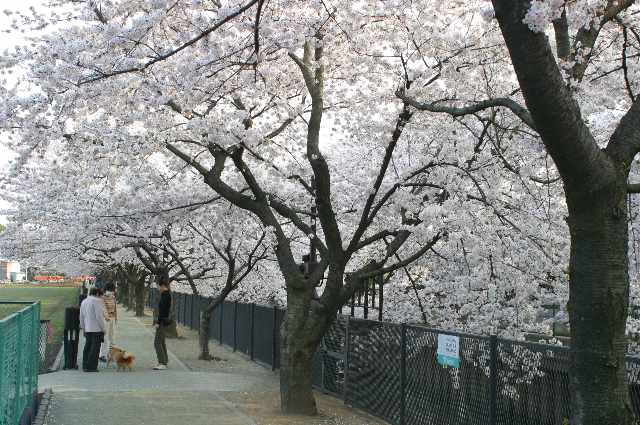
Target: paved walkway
(145, 396)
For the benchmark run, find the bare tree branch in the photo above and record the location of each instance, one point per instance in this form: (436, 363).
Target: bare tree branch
(315, 85)
(367, 215)
(633, 188)
(563, 41)
(159, 58)
(553, 109)
(514, 106)
(586, 38)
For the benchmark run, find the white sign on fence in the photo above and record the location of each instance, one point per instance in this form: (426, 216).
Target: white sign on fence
(449, 350)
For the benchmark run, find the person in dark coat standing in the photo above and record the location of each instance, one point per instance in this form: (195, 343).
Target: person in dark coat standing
(162, 322)
(94, 325)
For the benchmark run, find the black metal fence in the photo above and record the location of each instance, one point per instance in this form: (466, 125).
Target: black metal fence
(248, 328)
(391, 370)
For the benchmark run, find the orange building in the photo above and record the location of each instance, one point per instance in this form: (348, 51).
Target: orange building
(48, 278)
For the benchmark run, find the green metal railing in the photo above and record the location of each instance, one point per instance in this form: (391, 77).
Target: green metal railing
(19, 359)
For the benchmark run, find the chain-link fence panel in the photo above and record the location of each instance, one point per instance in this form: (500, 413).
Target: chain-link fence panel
(436, 394)
(263, 334)
(176, 306)
(329, 360)
(214, 324)
(533, 384)
(195, 312)
(393, 372)
(228, 324)
(186, 314)
(19, 362)
(45, 341)
(373, 368)
(182, 308)
(243, 328)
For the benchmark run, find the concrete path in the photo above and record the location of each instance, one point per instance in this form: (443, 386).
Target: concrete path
(145, 396)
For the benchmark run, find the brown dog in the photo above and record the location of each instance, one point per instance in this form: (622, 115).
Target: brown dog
(122, 358)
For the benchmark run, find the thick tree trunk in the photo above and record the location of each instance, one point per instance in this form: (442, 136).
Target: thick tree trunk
(301, 333)
(203, 334)
(120, 294)
(599, 290)
(205, 320)
(124, 294)
(296, 382)
(139, 295)
(131, 297)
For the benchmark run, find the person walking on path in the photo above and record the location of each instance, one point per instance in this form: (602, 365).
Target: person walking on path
(162, 323)
(94, 325)
(111, 311)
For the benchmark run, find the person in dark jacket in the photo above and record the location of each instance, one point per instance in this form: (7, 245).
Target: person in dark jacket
(163, 321)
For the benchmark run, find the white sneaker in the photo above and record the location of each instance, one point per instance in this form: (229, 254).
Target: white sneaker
(160, 367)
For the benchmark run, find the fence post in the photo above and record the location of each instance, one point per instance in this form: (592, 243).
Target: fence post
(197, 304)
(235, 326)
(220, 323)
(195, 310)
(192, 303)
(366, 299)
(178, 307)
(36, 343)
(380, 297)
(185, 297)
(183, 309)
(273, 338)
(3, 342)
(187, 310)
(493, 380)
(347, 348)
(253, 310)
(20, 359)
(403, 372)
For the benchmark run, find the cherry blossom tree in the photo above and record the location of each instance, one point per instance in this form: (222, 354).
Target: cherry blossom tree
(289, 113)
(240, 257)
(134, 241)
(308, 317)
(594, 168)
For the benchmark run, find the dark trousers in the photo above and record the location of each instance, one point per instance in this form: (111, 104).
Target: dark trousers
(160, 345)
(91, 352)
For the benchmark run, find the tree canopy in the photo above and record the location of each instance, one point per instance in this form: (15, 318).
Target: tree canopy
(460, 150)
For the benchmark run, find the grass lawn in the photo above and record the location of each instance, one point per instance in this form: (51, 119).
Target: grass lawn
(53, 301)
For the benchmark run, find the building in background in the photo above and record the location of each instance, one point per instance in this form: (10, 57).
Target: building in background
(48, 278)
(10, 271)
